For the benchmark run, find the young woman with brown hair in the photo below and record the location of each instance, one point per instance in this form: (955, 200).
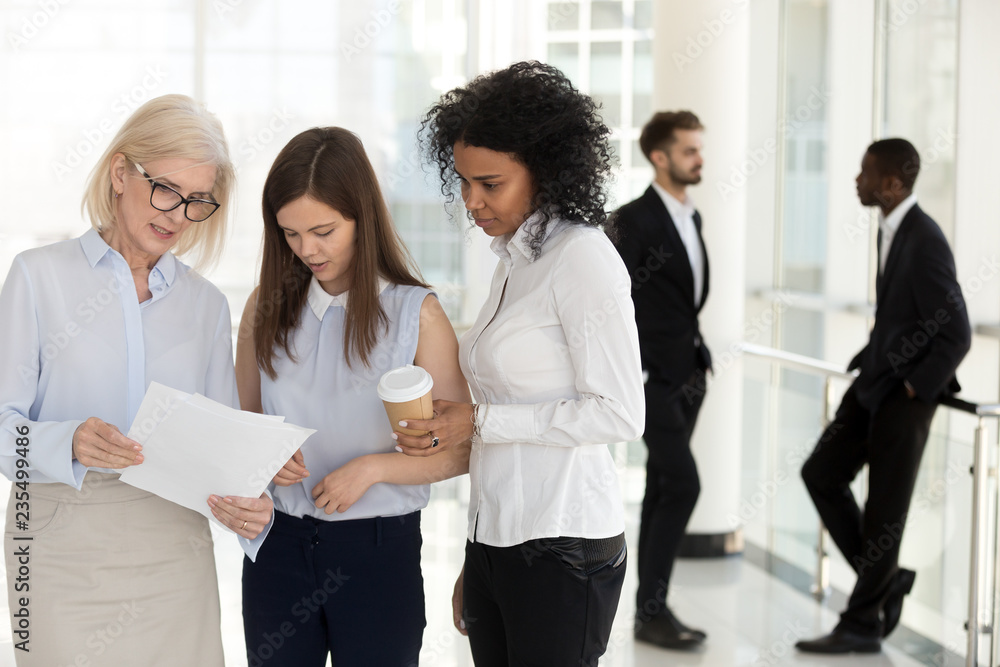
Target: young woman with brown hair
(338, 305)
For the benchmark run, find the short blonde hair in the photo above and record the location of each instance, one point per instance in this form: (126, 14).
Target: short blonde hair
(169, 126)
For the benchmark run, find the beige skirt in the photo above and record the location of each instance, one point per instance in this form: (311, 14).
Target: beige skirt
(111, 575)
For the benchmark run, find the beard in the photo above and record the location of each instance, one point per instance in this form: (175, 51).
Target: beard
(684, 177)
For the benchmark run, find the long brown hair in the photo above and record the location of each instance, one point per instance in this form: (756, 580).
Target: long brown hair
(329, 165)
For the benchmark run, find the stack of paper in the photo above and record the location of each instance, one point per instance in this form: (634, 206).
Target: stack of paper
(194, 447)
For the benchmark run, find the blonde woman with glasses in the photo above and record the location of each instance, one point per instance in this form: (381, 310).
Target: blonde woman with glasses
(99, 572)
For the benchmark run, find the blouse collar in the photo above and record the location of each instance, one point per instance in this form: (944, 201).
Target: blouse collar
(95, 248)
(320, 300)
(520, 240)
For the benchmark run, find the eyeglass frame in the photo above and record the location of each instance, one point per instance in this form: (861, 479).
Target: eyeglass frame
(184, 200)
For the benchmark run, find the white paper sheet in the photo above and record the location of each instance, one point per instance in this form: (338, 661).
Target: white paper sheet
(194, 447)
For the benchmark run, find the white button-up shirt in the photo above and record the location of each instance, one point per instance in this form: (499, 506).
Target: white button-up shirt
(888, 224)
(76, 343)
(554, 358)
(682, 214)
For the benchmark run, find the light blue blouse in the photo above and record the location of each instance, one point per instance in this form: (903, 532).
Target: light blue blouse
(319, 390)
(76, 343)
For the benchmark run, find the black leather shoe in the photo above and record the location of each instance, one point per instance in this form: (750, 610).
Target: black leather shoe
(666, 631)
(900, 587)
(841, 641)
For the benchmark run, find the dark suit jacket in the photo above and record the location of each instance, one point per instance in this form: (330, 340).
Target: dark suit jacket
(670, 342)
(921, 330)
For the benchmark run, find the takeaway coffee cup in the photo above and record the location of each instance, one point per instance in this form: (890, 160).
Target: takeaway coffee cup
(406, 394)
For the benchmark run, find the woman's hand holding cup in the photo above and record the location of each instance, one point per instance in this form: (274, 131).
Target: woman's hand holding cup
(451, 425)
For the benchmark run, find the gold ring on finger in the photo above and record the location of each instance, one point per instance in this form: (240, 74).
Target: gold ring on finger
(244, 526)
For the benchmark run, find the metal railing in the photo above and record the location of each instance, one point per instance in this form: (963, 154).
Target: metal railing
(984, 537)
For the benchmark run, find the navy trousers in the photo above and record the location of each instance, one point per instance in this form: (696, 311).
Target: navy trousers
(350, 589)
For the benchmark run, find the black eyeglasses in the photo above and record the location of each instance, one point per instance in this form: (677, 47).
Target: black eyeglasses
(165, 198)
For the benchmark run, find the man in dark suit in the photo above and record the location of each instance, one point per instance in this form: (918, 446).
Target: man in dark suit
(659, 238)
(921, 333)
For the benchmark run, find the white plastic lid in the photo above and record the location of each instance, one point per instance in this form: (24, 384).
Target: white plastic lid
(404, 384)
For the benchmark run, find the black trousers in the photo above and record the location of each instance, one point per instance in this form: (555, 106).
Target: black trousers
(672, 489)
(543, 603)
(891, 441)
(352, 590)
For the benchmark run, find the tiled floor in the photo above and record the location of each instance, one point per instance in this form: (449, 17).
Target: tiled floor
(752, 618)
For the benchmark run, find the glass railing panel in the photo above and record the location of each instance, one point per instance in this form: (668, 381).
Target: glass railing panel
(783, 419)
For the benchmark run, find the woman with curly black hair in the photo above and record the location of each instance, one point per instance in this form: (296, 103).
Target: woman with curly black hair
(553, 362)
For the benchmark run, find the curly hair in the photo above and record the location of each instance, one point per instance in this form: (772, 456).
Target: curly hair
(531, 112)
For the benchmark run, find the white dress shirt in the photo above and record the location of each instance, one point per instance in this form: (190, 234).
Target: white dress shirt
(682, 214)
(889, 224)
(76, 343)
(554, 359)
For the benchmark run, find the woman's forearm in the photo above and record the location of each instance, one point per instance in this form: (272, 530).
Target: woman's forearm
(398, 468)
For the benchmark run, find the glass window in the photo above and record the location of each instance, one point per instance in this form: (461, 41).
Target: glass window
(642, 83)
(803, 125)
(566, 56)
(920, 97)
(606, 79)
(638, 159)
(606, 15)
(564, 15)
(643, 17)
